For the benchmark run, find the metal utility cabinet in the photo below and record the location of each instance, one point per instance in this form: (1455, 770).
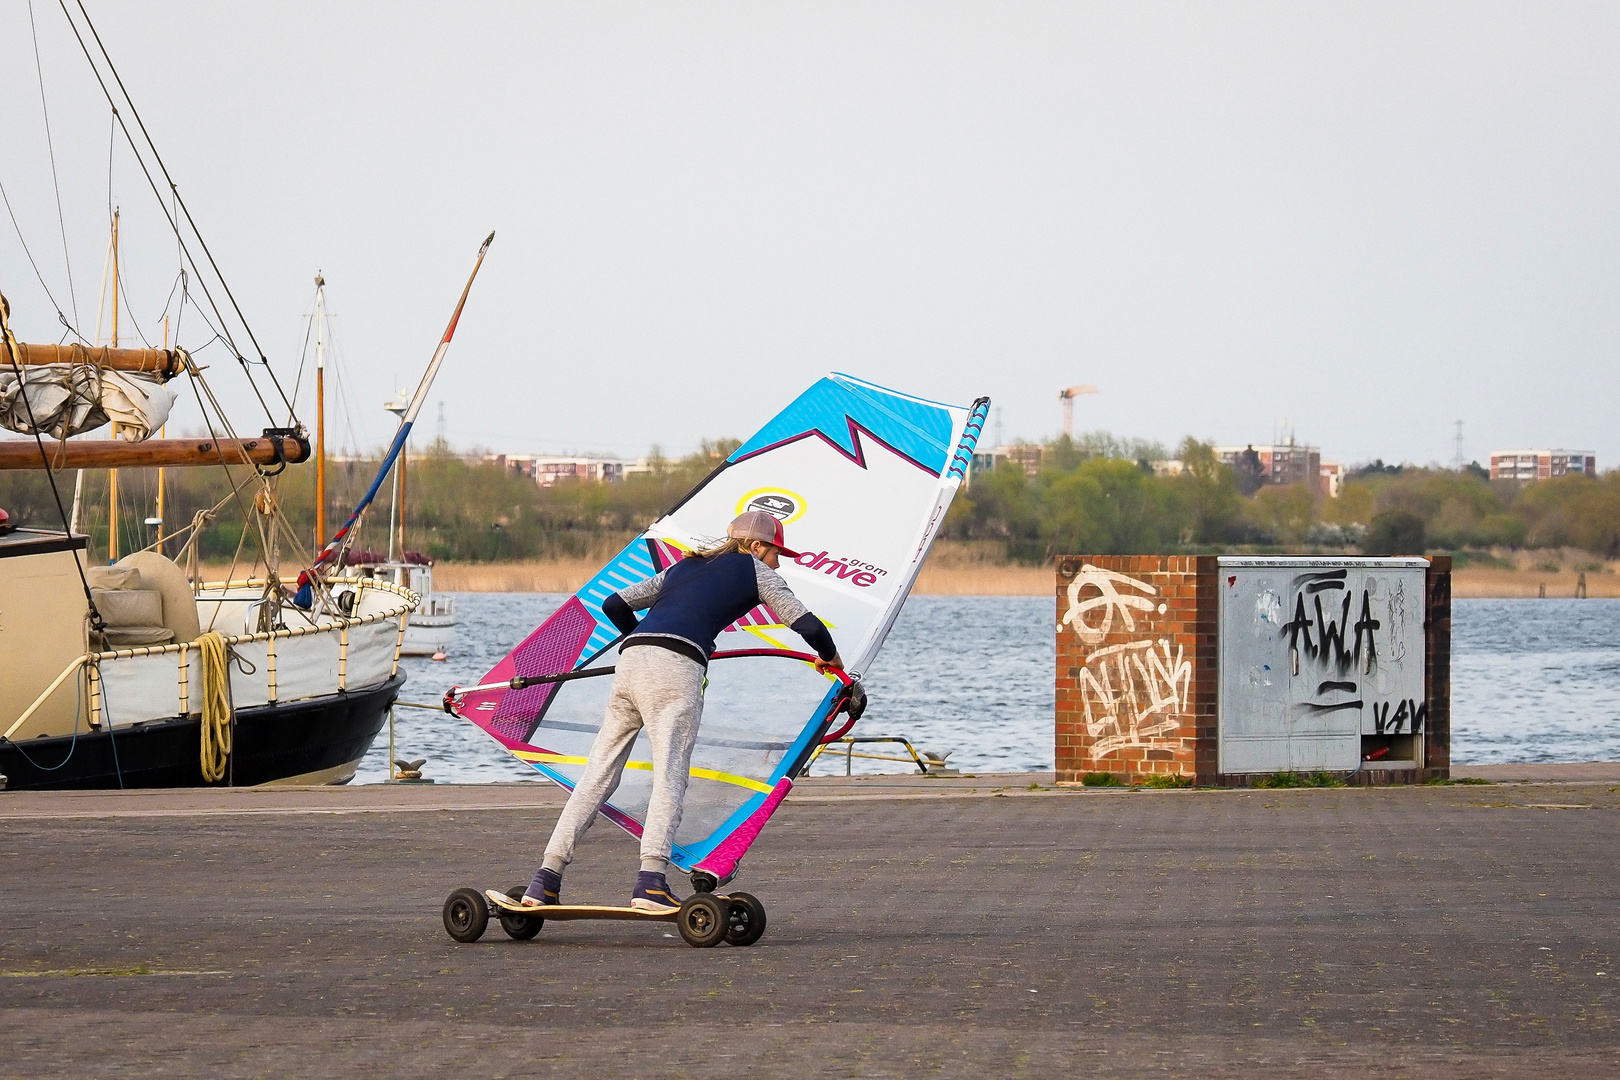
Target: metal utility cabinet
(1224, 669)
(1321, 664)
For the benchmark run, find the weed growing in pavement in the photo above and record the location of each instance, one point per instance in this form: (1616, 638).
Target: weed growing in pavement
(1166, 780)
(1101, 779)
(1299, 780)
(1440, 781)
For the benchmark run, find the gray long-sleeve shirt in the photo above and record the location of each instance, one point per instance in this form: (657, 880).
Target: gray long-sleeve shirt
(706, 605)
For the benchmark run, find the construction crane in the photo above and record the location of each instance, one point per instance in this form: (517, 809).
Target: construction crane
(1067, 397)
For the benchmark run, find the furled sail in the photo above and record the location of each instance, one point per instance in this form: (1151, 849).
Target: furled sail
(861, 477)
(71, 399)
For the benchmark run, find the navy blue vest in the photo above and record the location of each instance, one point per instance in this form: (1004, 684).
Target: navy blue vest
(700, 598)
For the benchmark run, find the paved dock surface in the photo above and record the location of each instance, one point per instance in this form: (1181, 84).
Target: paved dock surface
(917, 927)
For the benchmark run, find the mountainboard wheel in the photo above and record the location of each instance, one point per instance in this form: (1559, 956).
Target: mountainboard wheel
(745, 919)
(702, 921)
(519, 927)
(466, 915)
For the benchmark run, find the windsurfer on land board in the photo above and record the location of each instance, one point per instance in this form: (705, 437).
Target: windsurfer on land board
(659, 686)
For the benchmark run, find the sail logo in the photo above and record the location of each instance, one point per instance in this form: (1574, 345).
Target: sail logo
(783, 505)
(854, 571)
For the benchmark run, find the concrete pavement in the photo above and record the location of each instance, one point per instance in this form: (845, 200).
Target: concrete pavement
(917, 927)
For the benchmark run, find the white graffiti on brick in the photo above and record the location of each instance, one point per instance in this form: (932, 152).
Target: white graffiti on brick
(1109, 599)
(1133, 693)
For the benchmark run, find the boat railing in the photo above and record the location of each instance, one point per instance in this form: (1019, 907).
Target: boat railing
(137, 676)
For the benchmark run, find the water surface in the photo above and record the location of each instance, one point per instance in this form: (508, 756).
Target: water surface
(1532, 680)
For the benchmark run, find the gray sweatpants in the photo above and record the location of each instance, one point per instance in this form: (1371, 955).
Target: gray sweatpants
(663, 691)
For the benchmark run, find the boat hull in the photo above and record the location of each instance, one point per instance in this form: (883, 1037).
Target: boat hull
(425, 636)
(321, 739)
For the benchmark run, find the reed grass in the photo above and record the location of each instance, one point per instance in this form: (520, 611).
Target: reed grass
(1485, 583)
(532, 575)
(973, 569)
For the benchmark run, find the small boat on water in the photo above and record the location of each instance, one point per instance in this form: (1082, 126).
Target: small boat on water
(431, 629)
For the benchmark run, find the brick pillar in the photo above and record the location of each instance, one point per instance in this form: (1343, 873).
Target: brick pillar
(1136, 666)
(1437, 670)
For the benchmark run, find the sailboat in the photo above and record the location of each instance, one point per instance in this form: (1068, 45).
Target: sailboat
(431, 627)
(143, 673)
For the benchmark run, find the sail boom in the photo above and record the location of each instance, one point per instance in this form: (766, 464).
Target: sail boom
(18, 454)
(164, 364)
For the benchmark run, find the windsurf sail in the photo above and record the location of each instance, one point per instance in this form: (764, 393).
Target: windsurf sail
(860, 477)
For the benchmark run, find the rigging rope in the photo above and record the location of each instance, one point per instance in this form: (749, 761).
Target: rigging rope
(174, 223)
(21, 240)
(175, 191)
(50, 146)
(10, 342)
(216, 709)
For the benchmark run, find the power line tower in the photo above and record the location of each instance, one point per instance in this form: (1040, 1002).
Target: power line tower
(1459, 456)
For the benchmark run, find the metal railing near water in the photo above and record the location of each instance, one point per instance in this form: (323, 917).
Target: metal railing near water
(926, 762)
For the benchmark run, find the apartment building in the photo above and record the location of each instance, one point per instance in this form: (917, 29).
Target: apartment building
(1280, 463)
(1541, 464)
(547, 471)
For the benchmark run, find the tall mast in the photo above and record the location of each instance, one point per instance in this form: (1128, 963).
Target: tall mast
(162, 433)
(320, 410)
(101, 309)
(404, 452)
(112, 475)
(396, 513)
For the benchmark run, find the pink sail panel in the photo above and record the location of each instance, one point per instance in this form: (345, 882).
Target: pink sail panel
(551, 650)
(723, 860)
(758, 616)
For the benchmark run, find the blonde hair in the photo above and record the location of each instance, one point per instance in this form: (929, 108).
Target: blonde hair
(729, 545)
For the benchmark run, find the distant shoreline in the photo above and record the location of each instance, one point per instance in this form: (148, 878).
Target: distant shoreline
(567, 575)
(987, 579)
(954, 576)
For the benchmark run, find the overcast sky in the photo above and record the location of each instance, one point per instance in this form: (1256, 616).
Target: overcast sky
(1371, 220)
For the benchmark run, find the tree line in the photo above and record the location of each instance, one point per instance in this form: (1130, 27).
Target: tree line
(1097, 494)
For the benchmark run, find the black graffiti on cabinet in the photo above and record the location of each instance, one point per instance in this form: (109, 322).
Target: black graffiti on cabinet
(1321, 641)
(1409, 716)
(1313, 708)
(1327, 647)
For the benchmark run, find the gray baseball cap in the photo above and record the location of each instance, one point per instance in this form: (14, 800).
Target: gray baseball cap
(758, 525)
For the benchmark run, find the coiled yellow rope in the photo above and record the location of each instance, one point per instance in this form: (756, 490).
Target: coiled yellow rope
(216, 708)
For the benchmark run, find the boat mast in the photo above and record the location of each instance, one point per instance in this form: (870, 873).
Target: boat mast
(339, 542)
(320, 410)
(163, 433)
(112, 475)
(101, 308)
(396, 513)
(404, 453)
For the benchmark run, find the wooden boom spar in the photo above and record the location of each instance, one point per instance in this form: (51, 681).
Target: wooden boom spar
(164, 363)
(272, 448)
